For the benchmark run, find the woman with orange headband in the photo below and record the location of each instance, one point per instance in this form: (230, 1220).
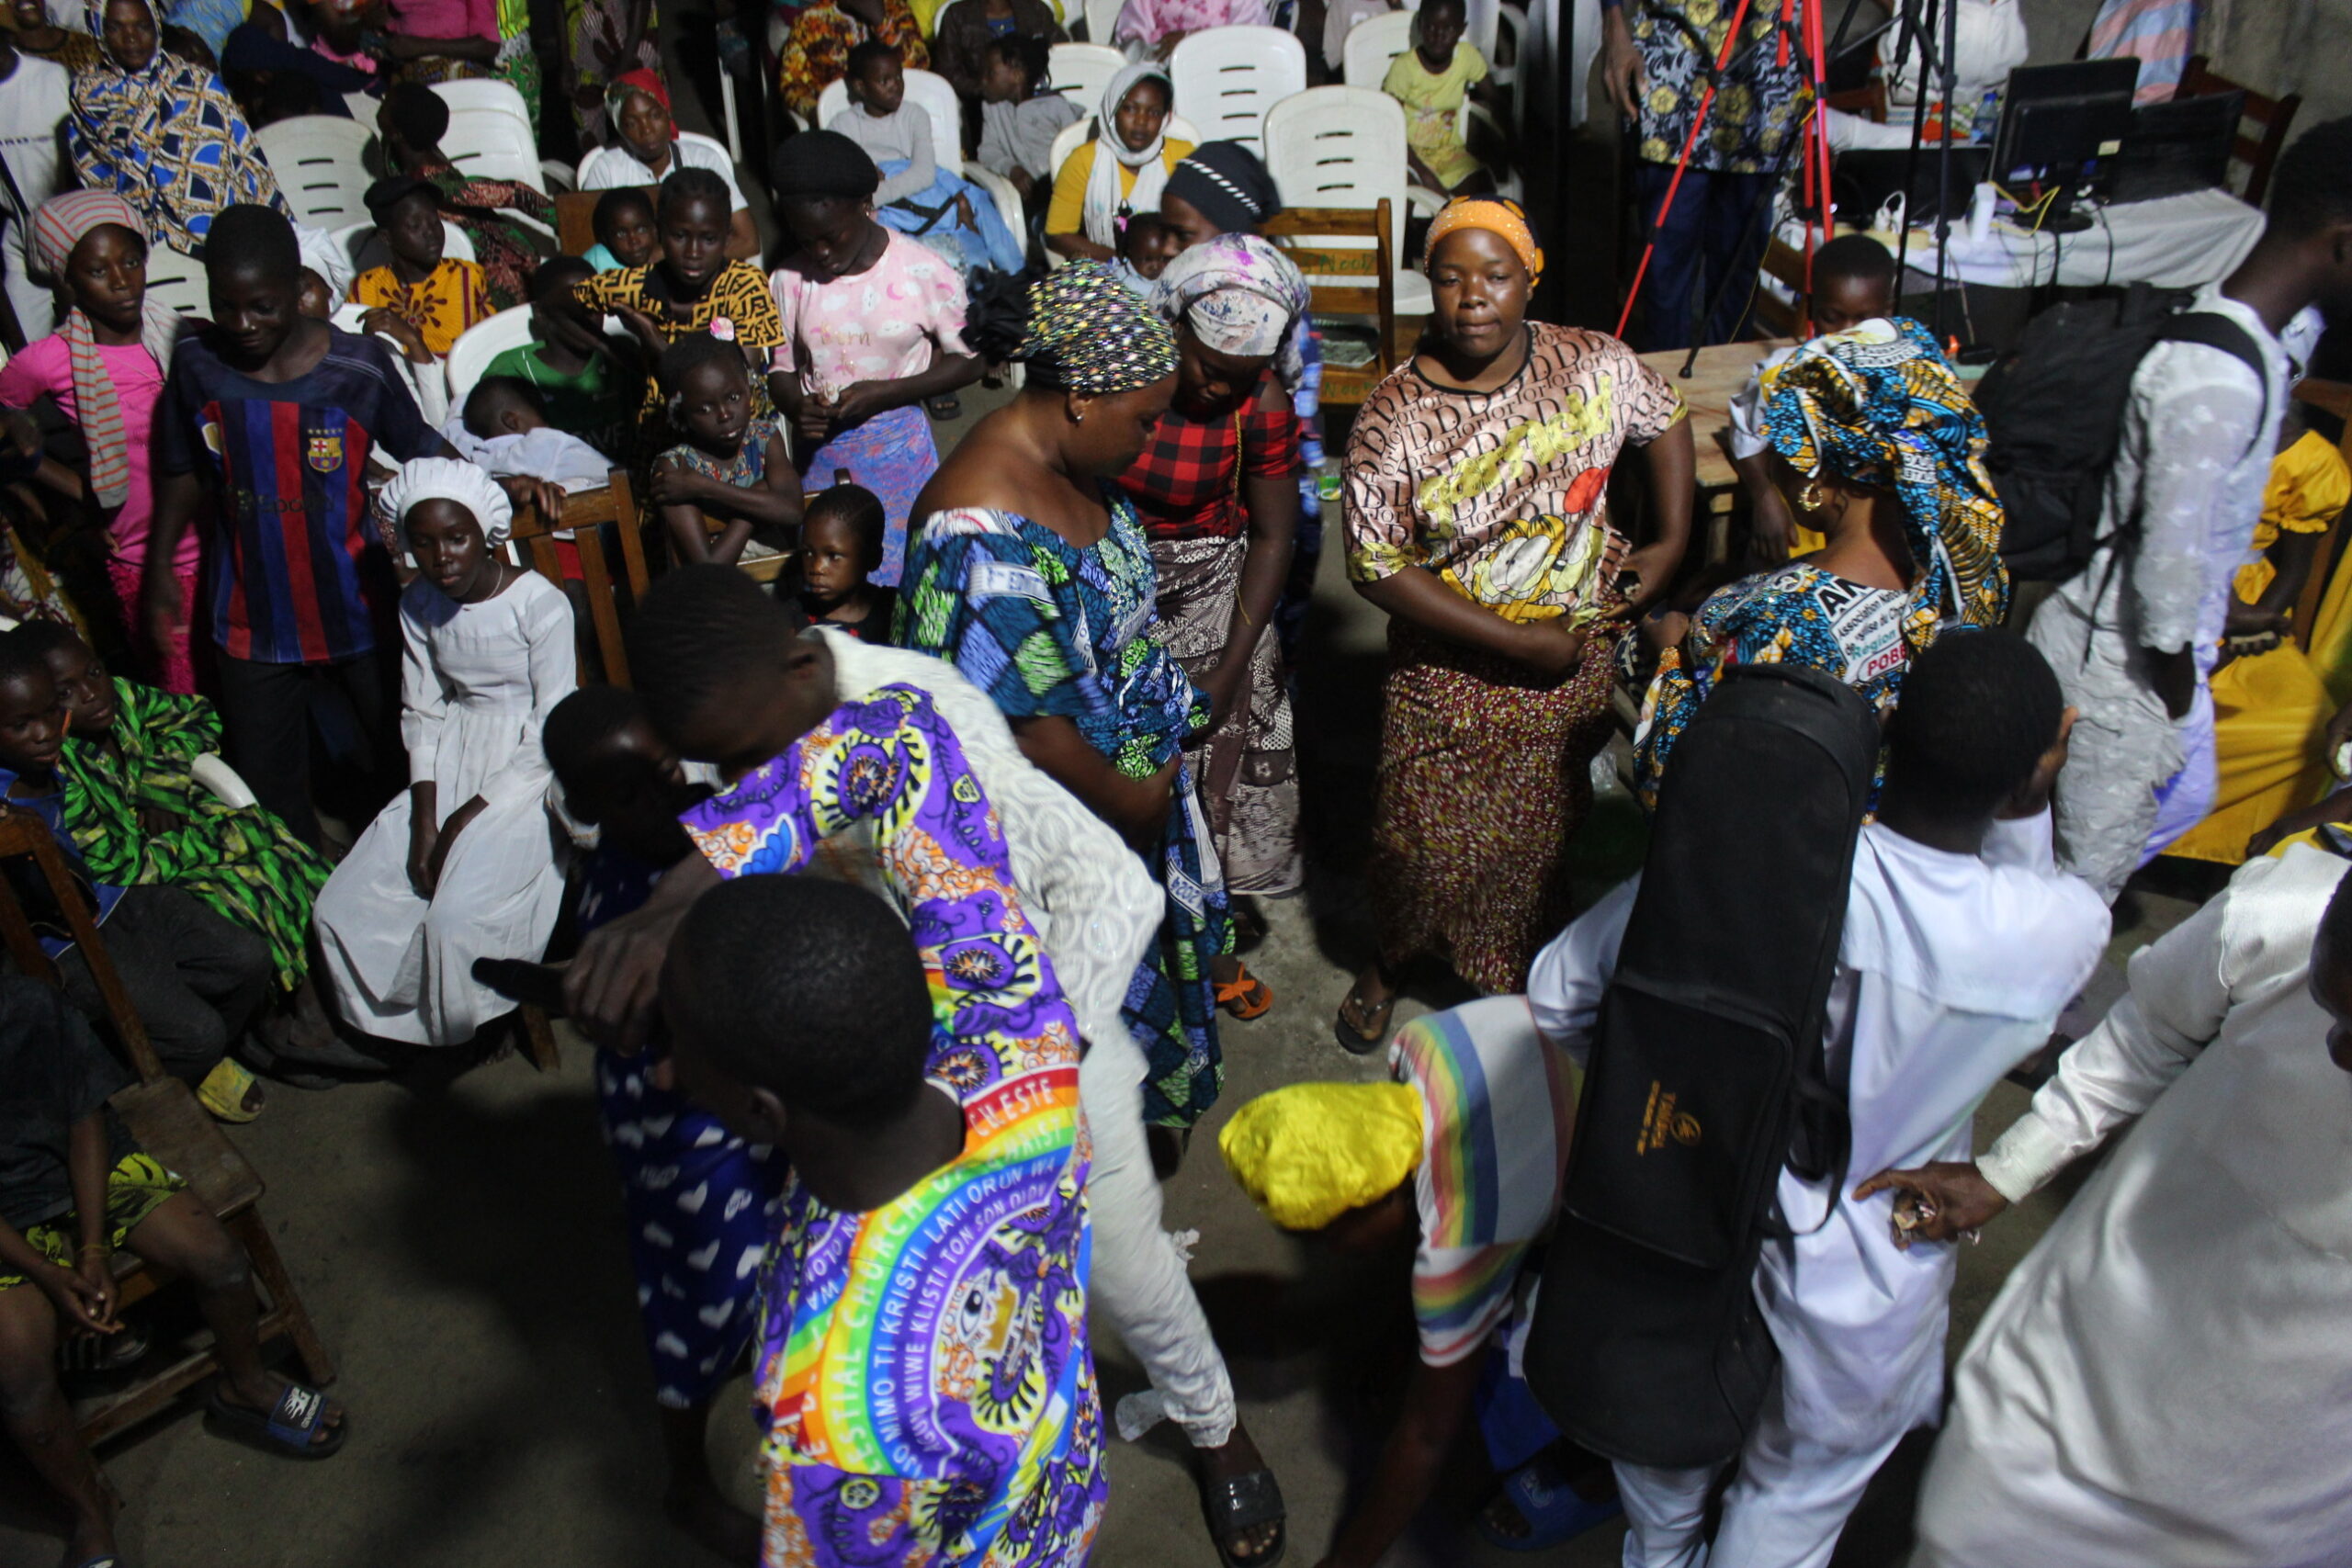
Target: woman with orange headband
(1477, 518)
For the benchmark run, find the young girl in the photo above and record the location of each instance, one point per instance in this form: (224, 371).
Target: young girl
(462, 866)
(1431, 80)
(104, 369)
(731, 469)
(1019, 113)
(840, 548)
(626, 233)
(436, 297)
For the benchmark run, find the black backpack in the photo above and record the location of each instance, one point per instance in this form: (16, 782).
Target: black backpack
(2054, 407)
(1707, 1077)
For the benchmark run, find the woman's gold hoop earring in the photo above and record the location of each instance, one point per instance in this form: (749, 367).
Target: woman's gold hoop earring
(1812, 497)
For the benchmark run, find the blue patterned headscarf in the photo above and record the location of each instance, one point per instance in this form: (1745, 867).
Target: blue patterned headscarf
(1880, 405)
(168, 139)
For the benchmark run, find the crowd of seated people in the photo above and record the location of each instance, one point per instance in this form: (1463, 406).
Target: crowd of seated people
(1021, 700)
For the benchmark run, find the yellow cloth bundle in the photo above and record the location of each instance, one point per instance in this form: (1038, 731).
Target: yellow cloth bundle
(1311, 1152)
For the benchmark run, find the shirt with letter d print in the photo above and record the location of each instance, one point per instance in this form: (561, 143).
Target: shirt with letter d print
(299, 574)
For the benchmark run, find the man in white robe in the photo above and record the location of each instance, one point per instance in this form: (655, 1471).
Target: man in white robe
(2168, 1377)
(1962, 943)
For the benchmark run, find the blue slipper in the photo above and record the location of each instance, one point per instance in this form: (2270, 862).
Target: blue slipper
(1551, 1508)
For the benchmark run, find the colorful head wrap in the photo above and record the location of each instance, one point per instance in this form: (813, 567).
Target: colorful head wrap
(1088, 332)
(1309, 1152)
(421, 479)
(1240, 296)
(1881, 406)
(641, 80)
(1225, 184)
(1496, 216)
(61, 224)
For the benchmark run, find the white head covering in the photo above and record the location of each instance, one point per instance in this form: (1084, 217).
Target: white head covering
(446, 479)
(1103, 198)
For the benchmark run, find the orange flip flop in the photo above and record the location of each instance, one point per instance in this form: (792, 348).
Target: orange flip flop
(1245, 996)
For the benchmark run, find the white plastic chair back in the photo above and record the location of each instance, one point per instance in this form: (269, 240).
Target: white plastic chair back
(1226, 78)
(1081, 72)
(594, 167)
(490, 144)
(1074, 135)
(469, 358)
(177, 279)
(1374, 44)
(222, 780)
(1488, 17)
(479, 93)
(1345, 147)
(1102, 19)
(321, 163)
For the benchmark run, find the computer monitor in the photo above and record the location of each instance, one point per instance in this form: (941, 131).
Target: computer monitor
(2181, 144)
(2055, 119)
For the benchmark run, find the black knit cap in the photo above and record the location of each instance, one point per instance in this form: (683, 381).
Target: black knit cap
(816, 166)
(1226, 184)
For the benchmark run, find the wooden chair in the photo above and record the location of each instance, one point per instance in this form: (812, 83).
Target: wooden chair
(1346, 280)
(1781, 318)
(575, 218)
(162, 1115)
(2270, 119)
(1869, 101)
(533, 537)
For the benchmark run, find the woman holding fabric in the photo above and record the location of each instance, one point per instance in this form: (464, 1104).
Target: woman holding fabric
(1478, 483)
(1217, 491)
(1877, 446)
(1121, 171)
(160, 132)
(1030, 575)
(872, 325)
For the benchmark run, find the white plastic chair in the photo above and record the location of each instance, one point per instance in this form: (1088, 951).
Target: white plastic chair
(469, 358)
(484, 94)
(488, 144)
(1102, 19)
(1374, 45)
(617, 156)
(177, 279)
(935, 95)
(216, 775)
(1227, 78)
(1345, 147)
(321, 163)
(1081, 71)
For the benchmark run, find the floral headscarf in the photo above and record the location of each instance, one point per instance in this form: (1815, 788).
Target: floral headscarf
(168, 139)
(1241, 297)
(1088, 332)
(1881, 406)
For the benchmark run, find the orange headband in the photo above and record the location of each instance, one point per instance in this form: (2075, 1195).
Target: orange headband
(1496, 217)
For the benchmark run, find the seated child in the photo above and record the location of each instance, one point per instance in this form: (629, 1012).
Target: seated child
(104, 369)
(922, 194)
(138, 815)
(1431, 79)
(1346, 1160)
(77, 1189)
(1147, 243)
(504, 428)
(315, 298)
(437, 298)
(1021, 114)
(732, 470)
(1853, 282)
(410, 124)
(589, 383)
(197, 980)
(841, 545)
(627, 234)
(621, 784)
(460, 866)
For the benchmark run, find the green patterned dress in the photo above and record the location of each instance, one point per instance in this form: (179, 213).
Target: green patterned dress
(239, 860)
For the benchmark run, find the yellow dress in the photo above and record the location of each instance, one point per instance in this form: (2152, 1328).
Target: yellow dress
(2271, 710)
(1431, 101)
(454, 296)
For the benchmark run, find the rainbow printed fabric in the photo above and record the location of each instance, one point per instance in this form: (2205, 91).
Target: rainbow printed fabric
(1498, 1105)
(923, 1371)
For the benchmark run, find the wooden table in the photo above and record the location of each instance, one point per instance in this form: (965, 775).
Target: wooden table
(1715, 379)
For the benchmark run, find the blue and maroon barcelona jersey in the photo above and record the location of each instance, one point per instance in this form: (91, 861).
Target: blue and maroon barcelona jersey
(299, 573)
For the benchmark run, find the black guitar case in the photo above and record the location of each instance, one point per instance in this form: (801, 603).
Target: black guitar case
(1706, 1075)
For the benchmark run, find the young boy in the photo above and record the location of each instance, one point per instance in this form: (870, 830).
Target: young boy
(691, 1190)
(75, 1187)
(414, 120)
(196, 981)
(1021, 114)
(589, 383)
(841, 544)
(505, 429)
(1962, 943)
(435, 297)
(878, 120)
(1853, 282)
(1147, 245)
(277, 416)
(626, 233)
